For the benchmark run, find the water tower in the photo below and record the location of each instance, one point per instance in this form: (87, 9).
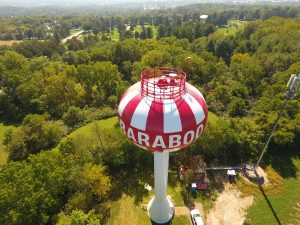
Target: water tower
(162, 113)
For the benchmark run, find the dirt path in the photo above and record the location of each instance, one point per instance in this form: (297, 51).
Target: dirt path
(199, 206)
(229, 208)
(71, 36)
(182, 211)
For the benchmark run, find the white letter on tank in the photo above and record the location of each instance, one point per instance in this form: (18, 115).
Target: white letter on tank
(130, 134)
(199, 130)
(174, 141)
(159, 142)
(143, 138)
(185, 139)
(122, 125)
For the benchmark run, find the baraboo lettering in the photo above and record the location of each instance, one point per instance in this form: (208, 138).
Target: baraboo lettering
(162, 141)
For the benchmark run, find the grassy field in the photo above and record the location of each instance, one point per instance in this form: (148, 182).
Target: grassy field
(3, 153)
(87, 130)
(115, 36)
(126, 212)
(139, 29)
(127, 209)
(277, 203)
(8, 43)
(232, 27)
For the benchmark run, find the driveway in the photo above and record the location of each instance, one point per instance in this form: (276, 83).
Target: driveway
(185, 211)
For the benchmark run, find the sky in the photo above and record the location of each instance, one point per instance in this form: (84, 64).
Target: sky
(63, 2)
(53, 2)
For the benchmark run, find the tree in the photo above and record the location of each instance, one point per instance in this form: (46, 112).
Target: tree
(61, 92)
(136, 34)
(69, 57)
(224, 49)
(143, 34)
(82, 57)
(101, 54)
(156, 58)
(149, 32)
(36, 134)
(107, 77)
(247, 70)
(74, 44)
(90, 187)
(237, 107)
(73, 116)
(78, 217)
(216, 140)
(161, 31)
(33, 189)
(128, 34)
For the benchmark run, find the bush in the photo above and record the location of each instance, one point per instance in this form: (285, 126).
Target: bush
(73, 116)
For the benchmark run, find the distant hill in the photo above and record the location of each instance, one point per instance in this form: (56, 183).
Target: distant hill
(38, 3)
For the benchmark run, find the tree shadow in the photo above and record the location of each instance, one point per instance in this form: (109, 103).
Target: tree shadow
(217, 179)
(270, 205)
(130, 181)
(281, 161)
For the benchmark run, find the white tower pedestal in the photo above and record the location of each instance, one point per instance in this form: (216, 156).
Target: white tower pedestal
(160, 208)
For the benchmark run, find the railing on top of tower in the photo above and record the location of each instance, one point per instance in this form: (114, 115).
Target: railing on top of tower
(163, 83)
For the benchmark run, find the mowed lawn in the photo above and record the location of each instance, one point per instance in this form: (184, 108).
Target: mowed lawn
(232, 27)
(87, 130)
(9, 43)
(3, 153)
(139, 29)
(115, 36)
(127, 209)
(126, 212)
(280, 205)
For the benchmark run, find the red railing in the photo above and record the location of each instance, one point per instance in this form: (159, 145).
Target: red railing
(163, 83)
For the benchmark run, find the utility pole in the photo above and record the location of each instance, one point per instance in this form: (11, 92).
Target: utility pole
(293, 85)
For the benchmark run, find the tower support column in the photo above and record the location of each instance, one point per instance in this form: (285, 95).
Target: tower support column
(160, 208)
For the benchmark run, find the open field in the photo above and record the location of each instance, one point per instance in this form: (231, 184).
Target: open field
(139, 29)
(277, 205)
(8, 43)
(232, 27)
(126, 212)
(3, 153)
(87, 130)
(115, 36)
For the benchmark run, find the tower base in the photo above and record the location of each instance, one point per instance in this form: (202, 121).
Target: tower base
(161, 212)
(167, 223)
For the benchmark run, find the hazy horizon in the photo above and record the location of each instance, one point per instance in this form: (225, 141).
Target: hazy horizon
(37, 3)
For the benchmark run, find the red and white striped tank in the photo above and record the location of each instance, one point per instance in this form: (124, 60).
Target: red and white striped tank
(162, 112)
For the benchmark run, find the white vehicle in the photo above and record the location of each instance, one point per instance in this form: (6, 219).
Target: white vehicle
(196, 217)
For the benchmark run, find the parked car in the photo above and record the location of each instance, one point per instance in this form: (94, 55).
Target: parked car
(196, 217)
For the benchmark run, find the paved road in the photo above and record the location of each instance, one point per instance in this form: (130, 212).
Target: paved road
(71, 36)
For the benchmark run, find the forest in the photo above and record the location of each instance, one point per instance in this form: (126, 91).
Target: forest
(49, 90)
